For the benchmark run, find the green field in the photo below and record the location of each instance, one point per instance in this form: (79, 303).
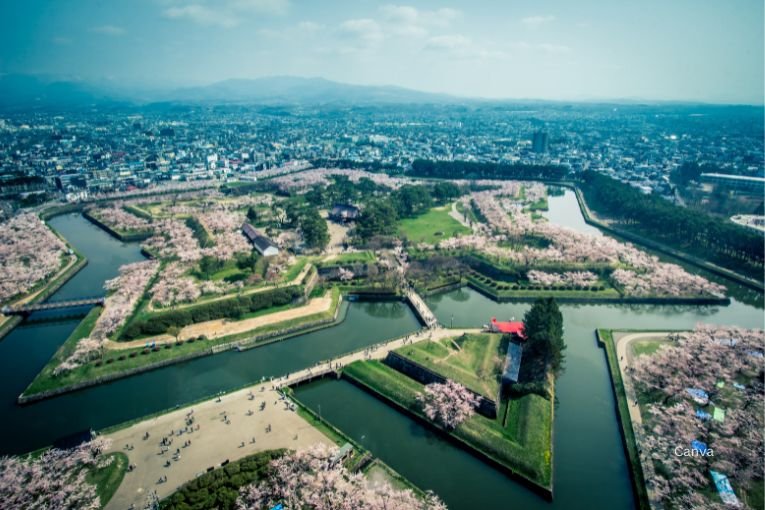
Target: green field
(348, 258)
(107, 480)
(523, 445)
(646, 347)
(476, 363)
(431, 227)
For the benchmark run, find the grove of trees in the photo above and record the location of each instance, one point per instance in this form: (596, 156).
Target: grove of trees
(543, 326)
(727, 363)
(716, 240)
(474, 170)
(314, 479)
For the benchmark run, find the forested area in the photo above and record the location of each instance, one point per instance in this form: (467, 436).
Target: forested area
(713, 239)
(473, 170)
(380, 215)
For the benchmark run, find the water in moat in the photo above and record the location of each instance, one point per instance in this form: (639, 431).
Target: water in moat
(26, 350)
(590, 466)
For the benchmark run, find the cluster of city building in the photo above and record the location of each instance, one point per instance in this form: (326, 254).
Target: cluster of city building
(78, 154)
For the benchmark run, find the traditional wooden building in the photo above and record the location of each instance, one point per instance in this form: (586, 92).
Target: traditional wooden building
(261, 243)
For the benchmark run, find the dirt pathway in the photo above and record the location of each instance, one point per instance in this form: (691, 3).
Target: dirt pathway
(454, 213)
(625, 359)
(223, 327)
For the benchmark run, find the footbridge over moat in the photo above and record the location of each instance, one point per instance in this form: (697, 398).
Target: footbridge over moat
(29, 308)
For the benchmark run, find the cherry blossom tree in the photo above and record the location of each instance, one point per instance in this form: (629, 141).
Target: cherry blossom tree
(714, 359)
(322, 177)
(635, 272)
(345, 274)
(577, 279)
(29, 253)
(117, 218)
(126, 290)
(313, 479)
(448, 403)
(174, 239)
(54, 480)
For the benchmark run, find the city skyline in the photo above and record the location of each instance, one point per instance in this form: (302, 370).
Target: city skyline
(553, 51)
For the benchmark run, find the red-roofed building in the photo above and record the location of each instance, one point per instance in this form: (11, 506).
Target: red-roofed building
(514, 328)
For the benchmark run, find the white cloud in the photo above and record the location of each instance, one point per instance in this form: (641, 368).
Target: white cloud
(225, 13)
(545, 48)
(405, 20)
(537, 21)
(365, 30)
(309, 26)
(278, 7)
(460, 47)
(554, 48)
(448, 42)
(202, 15)
(109, 30)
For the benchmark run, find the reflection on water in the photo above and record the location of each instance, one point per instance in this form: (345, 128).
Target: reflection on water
(385, 309)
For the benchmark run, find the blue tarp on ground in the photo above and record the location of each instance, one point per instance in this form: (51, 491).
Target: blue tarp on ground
(698, 395)
(699, 445)
(512, 362)
(724, 489)
(700, 413)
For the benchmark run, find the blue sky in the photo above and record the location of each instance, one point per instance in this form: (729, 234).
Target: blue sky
(707, 50)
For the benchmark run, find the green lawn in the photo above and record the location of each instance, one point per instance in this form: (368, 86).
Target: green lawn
(539, 205)
(431, 227)
(348, 258)
(476, 364)
(108, 479)
(523, 446)
(646, 347)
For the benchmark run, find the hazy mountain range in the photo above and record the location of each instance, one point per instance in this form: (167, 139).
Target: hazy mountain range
(25, 91)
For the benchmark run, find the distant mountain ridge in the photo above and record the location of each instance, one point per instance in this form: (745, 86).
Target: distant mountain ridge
(24, 91)
(290, 89)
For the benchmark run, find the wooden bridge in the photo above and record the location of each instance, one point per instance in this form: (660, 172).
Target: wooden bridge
(27, 309)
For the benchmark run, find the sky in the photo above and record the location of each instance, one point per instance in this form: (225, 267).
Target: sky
(691, 50)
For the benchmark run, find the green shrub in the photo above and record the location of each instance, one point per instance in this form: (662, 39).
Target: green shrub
(220, 488)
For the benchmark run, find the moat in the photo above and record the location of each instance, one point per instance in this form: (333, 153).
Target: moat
(590, 469)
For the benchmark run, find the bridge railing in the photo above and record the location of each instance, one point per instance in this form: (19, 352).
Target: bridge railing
(51, 305)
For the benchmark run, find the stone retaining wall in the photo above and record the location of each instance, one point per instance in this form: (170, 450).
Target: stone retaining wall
(424, 375)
